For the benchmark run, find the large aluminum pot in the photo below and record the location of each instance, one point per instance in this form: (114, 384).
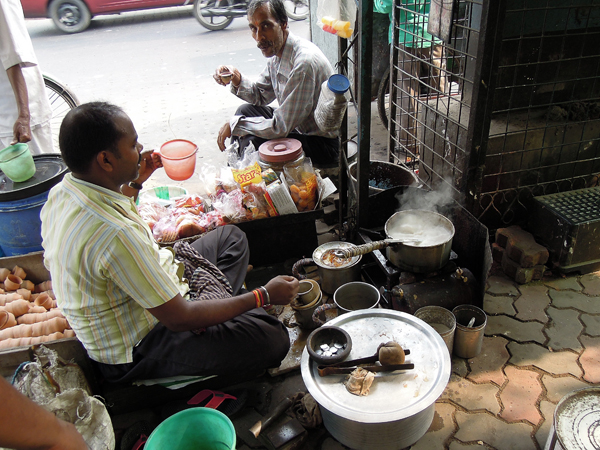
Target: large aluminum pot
(331, 277)
(432, 253)
(400, 405)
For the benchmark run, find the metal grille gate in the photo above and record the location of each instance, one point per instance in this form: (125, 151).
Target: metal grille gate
(519, 115)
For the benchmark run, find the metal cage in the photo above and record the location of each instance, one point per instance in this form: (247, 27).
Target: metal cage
(518, 113)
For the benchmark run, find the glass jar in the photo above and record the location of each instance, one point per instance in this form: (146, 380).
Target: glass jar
(276, 153)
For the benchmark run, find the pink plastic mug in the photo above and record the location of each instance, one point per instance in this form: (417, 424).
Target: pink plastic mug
(179, 158)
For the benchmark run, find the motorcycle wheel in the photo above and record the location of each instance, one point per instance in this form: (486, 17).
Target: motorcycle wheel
(297, 9)
(213, 23)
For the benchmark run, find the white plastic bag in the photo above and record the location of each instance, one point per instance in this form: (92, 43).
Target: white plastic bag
(337, 17)
(61, 388)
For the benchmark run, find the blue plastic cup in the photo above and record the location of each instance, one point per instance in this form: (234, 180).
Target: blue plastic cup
(16, 161)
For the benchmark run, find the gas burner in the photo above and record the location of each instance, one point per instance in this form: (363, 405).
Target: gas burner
(407, 291)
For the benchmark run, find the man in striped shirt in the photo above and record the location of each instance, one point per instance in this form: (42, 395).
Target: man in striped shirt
(295, 71)
(122, 294)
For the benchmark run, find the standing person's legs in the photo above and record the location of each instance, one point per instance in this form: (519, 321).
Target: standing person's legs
(248, 110)
(408, 73)
(227, 248)
(41, 140)
(438, 68)
(5, 141)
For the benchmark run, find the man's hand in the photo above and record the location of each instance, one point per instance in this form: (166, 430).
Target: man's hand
(150, 161)
(236, 76)
(21, 131)
(224, 133)
(282, 289)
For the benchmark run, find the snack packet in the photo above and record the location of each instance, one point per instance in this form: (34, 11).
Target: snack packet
(302, 181)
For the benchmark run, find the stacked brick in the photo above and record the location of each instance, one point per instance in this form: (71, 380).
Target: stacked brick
(521, 258)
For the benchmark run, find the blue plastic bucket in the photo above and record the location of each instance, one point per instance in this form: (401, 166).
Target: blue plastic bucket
(21, 203)
(20, 225)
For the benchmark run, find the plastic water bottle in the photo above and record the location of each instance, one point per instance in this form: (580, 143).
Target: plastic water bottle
(332, 103)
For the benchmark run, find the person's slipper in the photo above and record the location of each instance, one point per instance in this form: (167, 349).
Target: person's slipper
(136, 435)
(228, 404)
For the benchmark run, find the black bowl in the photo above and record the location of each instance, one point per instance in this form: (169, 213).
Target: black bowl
(322, 340)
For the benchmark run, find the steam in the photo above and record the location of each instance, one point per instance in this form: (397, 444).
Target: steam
(420, 199)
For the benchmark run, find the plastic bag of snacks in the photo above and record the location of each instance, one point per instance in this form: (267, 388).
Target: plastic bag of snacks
(165, 230)
(302, 181)
(229, 205)
(337, 17)
(152, 213)
(194, 204)
(257, 201)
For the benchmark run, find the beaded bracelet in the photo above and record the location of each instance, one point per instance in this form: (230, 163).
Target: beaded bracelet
(261, 295)
(256, 293)
(268, 302)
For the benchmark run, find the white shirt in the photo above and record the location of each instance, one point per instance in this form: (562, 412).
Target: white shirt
(295, 81)
(16, 48)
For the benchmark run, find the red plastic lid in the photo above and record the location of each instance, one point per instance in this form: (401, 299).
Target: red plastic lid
(280, 150)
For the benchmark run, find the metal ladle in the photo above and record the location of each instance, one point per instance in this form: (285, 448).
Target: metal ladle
(372, 246)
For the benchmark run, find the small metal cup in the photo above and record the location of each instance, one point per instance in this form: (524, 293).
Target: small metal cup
(307, 292)
(441, 320)
(468, 340)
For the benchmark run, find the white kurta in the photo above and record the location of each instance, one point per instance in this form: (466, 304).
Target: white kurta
(16, 48)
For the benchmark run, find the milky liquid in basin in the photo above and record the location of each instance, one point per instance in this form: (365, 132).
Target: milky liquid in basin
(414, 227)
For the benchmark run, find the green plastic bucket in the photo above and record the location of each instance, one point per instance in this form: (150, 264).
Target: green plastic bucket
(194, 429)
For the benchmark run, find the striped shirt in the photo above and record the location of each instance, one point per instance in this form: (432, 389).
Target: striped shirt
(106, 267)
(294, 80)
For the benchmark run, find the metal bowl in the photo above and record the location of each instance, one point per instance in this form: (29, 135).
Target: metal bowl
(328, 337)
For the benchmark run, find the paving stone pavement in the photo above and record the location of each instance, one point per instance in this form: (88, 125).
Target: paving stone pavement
(541, 343)
(539, 347)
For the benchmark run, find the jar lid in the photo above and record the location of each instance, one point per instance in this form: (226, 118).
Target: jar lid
(338, 83)
(49, 170)
(280, 150)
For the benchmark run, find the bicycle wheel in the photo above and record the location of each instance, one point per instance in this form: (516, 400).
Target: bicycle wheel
(61, 101)
(297, 9)
(213, 23)
(383, 99)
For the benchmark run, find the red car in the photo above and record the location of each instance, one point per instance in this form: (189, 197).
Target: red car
(73, 16)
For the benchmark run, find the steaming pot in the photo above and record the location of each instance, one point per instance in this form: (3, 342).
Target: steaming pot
(430, 255)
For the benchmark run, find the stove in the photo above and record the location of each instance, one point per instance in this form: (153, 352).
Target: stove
(448, 287)
(471, 253)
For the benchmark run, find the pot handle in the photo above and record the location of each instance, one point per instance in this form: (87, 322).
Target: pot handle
(320, 309)
(363, 249)
(301, 263)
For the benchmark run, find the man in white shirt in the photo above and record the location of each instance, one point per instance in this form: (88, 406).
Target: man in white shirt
(25, 111)
(295, 72)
